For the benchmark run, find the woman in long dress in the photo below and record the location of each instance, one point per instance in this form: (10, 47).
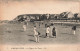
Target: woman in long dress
(54, 32)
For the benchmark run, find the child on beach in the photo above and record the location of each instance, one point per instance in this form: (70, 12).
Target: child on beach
(47, 31)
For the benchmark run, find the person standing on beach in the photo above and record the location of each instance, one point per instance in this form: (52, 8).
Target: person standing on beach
(54, 32)
(51, 28)
(74, 29)
(47, 31)
(45, 25)
(24, 25)
(36, 34)
(39, 24)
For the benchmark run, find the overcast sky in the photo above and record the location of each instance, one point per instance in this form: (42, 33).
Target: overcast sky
(10, 10)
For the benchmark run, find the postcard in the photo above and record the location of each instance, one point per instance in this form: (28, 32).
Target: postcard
(39, 25)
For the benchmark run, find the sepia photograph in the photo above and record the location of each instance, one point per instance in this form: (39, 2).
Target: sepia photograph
(41, 25)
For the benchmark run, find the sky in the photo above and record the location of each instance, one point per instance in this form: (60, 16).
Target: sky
(9, 10)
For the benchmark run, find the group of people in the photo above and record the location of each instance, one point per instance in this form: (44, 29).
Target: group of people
(50, 30)
(47, 33)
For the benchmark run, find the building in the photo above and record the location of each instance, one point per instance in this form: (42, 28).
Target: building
(78, 15)
(66, 15)
(70, 15)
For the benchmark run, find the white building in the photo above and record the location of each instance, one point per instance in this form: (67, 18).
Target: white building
(70, 15)
(78, 15)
